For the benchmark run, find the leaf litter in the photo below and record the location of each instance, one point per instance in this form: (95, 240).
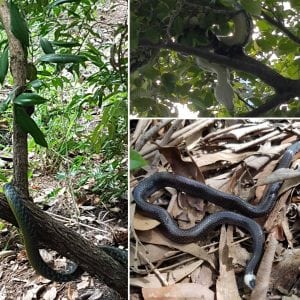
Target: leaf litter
(233, 156)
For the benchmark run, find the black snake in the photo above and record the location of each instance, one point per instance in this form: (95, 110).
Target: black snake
(239, 214)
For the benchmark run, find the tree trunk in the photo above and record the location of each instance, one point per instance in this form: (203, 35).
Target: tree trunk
(69, 243)
(18, 61)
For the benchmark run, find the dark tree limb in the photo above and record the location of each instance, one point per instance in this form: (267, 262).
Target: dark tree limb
(18, 62)
(278, 24)
(67, 242)
(271, 102)
(285, 88)
(240, 62)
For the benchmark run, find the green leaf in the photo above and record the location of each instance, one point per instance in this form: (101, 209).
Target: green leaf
(295, 4)
(46, 46)
(153, 34)
(3, 65)
(59, 2)
(18, 25)
(136, 160)
(62, 58)
(36, 84)
(252, 7)
(168, 81)
(4, 104)
(228, 3)
(29, 99)
(134, 33)
(3, 177)
(31, 71)
(177, 27)
(28, 125)
(65, 44)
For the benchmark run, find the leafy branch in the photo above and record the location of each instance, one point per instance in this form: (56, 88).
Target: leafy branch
(285, 88)
(280, 25)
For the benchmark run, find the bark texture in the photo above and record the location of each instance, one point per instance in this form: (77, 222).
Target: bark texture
(67, 242)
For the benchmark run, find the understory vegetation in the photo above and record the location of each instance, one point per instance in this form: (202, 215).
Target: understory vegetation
(84, 120)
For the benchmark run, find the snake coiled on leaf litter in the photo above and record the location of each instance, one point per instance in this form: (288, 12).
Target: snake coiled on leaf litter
(239, 214)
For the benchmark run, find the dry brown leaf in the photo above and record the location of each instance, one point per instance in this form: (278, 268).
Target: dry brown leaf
(154, 253)
(178, 291)
(187, 210)
(226, 284)
(288, 184)
(242, 146)
(225, 155)
(257, 162)
(194, 130)
(72, 293)
(83, 284)
(279, 175)
(217, 182)
(156, 237)
(245, 130)
(286, 229)
(203, 276)
(292, 297)
(141, 222)
(173, 276)
(179, 166)
(278, 233)
(286, 271)
(219, 134)
(141, 127)
(32, 292)
(265, 153)
(265, 173)
(239, 254)
(264, 270)
(50, 294)
(275, 217)
(233, 184)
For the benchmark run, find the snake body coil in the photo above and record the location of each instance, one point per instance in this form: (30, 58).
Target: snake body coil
(197, 189)
(28, 229)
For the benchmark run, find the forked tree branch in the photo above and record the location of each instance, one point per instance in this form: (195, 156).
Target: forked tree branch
(285, 88)
(277, 23)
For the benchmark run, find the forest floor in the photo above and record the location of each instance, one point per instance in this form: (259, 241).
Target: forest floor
(232, 156)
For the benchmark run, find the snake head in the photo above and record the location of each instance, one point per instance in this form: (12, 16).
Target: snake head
(250, 280)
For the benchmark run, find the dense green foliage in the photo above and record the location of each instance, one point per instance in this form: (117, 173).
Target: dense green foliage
(167, 78)
(78, 63)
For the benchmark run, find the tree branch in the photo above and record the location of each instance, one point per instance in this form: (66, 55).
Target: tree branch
(281, 27)
(270, 103)
(285, 88)
(240, 62)
(67, 242)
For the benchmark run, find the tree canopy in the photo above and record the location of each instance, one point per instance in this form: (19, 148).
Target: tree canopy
(167, 36)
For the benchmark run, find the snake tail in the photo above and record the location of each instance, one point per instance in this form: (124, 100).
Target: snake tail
(28, 229)
(117, 254)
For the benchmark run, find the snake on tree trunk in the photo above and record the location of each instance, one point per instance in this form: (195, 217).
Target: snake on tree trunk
(28, 229)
